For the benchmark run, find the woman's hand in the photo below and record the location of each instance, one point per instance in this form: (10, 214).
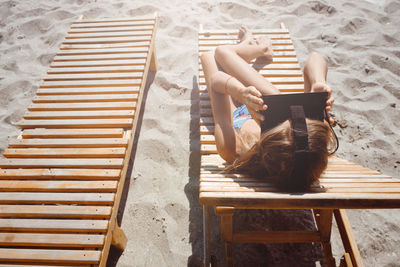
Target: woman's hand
(252, 98)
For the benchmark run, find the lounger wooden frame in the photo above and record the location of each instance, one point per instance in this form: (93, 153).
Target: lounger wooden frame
(344, 185)
(62, 179)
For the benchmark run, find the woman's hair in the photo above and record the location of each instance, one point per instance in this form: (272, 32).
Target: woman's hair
(273, 156)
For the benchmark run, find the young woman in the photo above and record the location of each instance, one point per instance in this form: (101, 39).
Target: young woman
(235, 89)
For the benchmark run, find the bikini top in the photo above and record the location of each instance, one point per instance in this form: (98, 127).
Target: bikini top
(296, 107)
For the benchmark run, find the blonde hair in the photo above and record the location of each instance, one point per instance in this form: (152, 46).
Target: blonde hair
(273, 156)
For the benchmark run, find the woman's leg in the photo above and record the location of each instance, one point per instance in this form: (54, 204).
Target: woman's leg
(222, 108)
(234, 60)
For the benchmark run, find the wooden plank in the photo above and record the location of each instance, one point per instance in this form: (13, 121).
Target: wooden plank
(54, 173)
(98, 63)
(51, 240)
(274, 80)
(65, 153)
(228, 37)
(234, 32)
(73, 31)
(85, 98)
(107, 40)
(94, 69)
(101, 51)
(93, 76)
(215, 43)
(68, 142)
(109, 34)
(91, 57)
(274, 73)
(271, 200)
(55, 211)
(276, 48)
(75, 123)
(50, 256)
(91, 114)
(347, 237)
(277, 66)
(57, 186)
(284, 88)
(113, 20)
(56, 198)
(87, 90)
(60, 163)
(104, 46)
(109, 24)
(83, 106)
(91, 83)
(73, 133)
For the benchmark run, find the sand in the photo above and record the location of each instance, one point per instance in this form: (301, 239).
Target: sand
(161, 215)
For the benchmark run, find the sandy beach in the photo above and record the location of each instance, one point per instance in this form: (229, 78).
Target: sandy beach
(161, 214)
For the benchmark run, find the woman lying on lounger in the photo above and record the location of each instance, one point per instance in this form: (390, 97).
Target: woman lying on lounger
(235, 89)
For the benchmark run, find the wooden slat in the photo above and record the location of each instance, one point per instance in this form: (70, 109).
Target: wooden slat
(73, 133)
(60, 115)
(60, 163)
(280, 66)
(55, 211)
(54, 173)
(95, 76)
(229, 37)
(51, 240)
(213, 32)
(110, 34)
(83, 106)
(100, 51)
(85, 98)
(104, 46)
(67, 142)
(50, 256)
(106, 40)
(107, 24)
(215, 43)
(273, 200)
(57, 186)
(87, 90)
(94, 69)
(56, 198)
(98, 63)
(65, 153)
(91, 57)
(75, 123)
(276, 48)
(73, 31)
(91, 83)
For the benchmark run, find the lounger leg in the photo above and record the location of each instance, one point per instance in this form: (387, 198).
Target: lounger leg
(153, 60)
(226, 214)
(119, 239)
(347, 236)
(206, 236)
(323, 219)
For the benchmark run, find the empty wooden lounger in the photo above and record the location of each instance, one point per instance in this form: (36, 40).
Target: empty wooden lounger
(343, 185)
(62, 179)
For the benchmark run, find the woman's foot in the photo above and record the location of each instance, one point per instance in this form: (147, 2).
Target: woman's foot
(244, 35)
(262, 45)
(267, 53)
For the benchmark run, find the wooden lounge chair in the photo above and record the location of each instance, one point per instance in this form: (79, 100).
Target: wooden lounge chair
(62, 179)
(344, 185)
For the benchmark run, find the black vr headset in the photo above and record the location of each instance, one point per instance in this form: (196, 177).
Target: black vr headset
(297, 107)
